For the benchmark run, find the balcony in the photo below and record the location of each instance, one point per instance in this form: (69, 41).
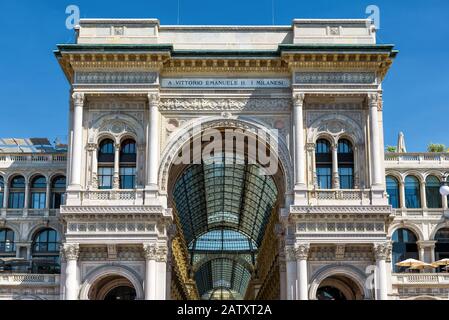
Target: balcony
(33, 213)
(405, 160)
(420, 279)
(22, 279)
(32, 160)
(349, 197)
(105, 197)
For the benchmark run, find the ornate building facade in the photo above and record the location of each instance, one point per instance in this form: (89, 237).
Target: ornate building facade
(141, 207)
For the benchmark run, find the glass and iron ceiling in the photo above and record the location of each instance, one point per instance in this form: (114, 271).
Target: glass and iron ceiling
(223, 207)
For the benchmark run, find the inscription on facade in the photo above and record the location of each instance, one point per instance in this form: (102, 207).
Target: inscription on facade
(224, 83)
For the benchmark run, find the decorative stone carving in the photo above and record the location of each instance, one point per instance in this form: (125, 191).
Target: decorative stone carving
(155, 252)
(71, 251)
(290, 253)
(335, 77)
(223, 104)
(78, 98)
(340, 251)
(382, 251)
(153, 98)
(298, 99)
(374, 101)
(98, 77)
(302, 251)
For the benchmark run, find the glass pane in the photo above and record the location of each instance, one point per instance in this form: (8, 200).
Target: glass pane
(39, 182)
(412, 193)
(18, 182)
(393, 192)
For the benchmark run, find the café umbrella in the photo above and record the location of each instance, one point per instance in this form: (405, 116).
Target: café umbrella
(442, 263)
(423, 266)
(410, 263)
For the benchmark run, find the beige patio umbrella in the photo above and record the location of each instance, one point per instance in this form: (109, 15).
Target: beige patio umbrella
(410, 263)
(441, 263)
(423, 266)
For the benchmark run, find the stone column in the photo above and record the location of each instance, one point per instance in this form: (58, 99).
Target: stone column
(26, 201)
(161, 273)
(150, 253)
(376, 176)
(302, 253)
(356, 168)
(402, 194)
(48, 194)
(382, 251)
(92, 149)
(153, 141)
(423, 194)
(71, 254)
(298, 136)
(77, 149)
(291, 270)
(5, 193)
(335, 175)
(116, 178)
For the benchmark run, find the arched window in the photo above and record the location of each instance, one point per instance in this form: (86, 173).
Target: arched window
(442, 244)
(38, 192)
(2, 188)
(17, 193)
(393, 192)
(128, 158)
(346, 164)
(106, 164)
(46, 245)
(412, 193)
(404, 247)
(323, 157)
(7, 245)
(433, 196)
(58, 186)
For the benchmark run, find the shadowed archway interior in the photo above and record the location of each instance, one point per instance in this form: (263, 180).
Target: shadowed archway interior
(224, 207)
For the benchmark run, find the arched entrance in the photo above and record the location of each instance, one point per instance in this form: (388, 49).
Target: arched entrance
(225, 202)
(338, 288)
(113, 287)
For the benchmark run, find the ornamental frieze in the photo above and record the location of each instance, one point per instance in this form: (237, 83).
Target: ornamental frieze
(99, 77)
(335, 77)
(222, 104)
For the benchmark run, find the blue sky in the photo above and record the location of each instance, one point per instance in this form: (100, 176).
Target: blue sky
(34, 93)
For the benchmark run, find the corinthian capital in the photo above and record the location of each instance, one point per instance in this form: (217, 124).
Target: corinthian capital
(298, 99)
(153, 98)
(155, 252)
(78, 98)
(70, 251)
(290, 253)
(302, 251)
(373, 99)
(382, 250)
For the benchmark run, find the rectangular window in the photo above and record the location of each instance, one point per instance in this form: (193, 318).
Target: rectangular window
(16, 200)
(346, 177)
(324, 176)
(1, 199)
(105, 175)
(38, 200)
(57, 200)
(393, 196)
(127, 177)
